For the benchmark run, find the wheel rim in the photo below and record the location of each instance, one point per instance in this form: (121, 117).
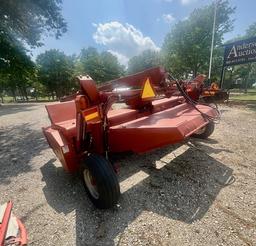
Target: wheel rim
(201, 130)
(90, 183)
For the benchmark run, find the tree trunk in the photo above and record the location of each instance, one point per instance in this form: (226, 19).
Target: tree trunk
(1, 94)
(195, 71)
(21, 94)
(246, 85)
(246, 78)
(36, 95)
(14, 95)
(57, 93)
(25, 93)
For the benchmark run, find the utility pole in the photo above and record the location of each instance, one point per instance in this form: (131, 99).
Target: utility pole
(213, 34)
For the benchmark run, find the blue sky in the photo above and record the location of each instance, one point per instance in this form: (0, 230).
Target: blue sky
(127, 27)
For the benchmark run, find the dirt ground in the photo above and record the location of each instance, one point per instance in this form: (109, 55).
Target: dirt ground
(202, 192)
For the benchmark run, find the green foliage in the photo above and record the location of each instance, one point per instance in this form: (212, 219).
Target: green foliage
(146, 59)
(27, 20)
(251, 31)
(246, 73)
(100, 66)
(111, 67)
(13, 58)
(23, 22)
(55, 72)
(16, 67)
(186, 48)
(91, 64)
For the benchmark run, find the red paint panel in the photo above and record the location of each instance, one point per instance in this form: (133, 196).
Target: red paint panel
(61, 111)
(119, 116)
(165, 103)
(62, 148)
(68, 127)
(165, 127)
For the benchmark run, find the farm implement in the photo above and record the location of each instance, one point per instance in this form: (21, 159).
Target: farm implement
(12, 231)
(86, 130)
(214, 93)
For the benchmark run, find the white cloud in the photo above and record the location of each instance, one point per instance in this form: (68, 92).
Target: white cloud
(183, 2)
(124, 40)
(186, 2)
(168, 18)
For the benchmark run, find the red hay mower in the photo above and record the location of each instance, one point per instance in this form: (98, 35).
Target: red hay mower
(85, 129)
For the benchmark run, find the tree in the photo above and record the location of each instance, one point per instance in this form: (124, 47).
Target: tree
(111, 67)
(250, 77)
(55, 72)
(245, 72)
(186, 48)
(100, 66)
(27, 20)
(16, 67)
(23, 23)
(91, 64)
(251, 31)
(146, 59)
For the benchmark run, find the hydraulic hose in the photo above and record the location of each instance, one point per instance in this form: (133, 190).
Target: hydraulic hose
(193, 103)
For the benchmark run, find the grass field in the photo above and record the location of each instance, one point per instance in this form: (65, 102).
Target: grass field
(9, 99)
(240, 96)
(243, 97)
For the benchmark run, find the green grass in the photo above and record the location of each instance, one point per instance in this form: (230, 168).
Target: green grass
(237, 90)
(8, 99)
(252, 90)
(250, 96)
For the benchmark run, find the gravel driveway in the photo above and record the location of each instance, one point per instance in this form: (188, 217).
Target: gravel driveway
(200, 193)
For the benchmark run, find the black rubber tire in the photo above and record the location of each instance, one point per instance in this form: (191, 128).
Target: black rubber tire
(209, 128)
(106, 181)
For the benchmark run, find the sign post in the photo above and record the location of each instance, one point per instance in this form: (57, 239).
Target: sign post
(222, 75)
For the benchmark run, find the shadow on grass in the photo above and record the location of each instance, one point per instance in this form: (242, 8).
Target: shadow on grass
(183, 189)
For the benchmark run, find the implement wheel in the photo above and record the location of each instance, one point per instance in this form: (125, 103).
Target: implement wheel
(100, 181)
(205, 131)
